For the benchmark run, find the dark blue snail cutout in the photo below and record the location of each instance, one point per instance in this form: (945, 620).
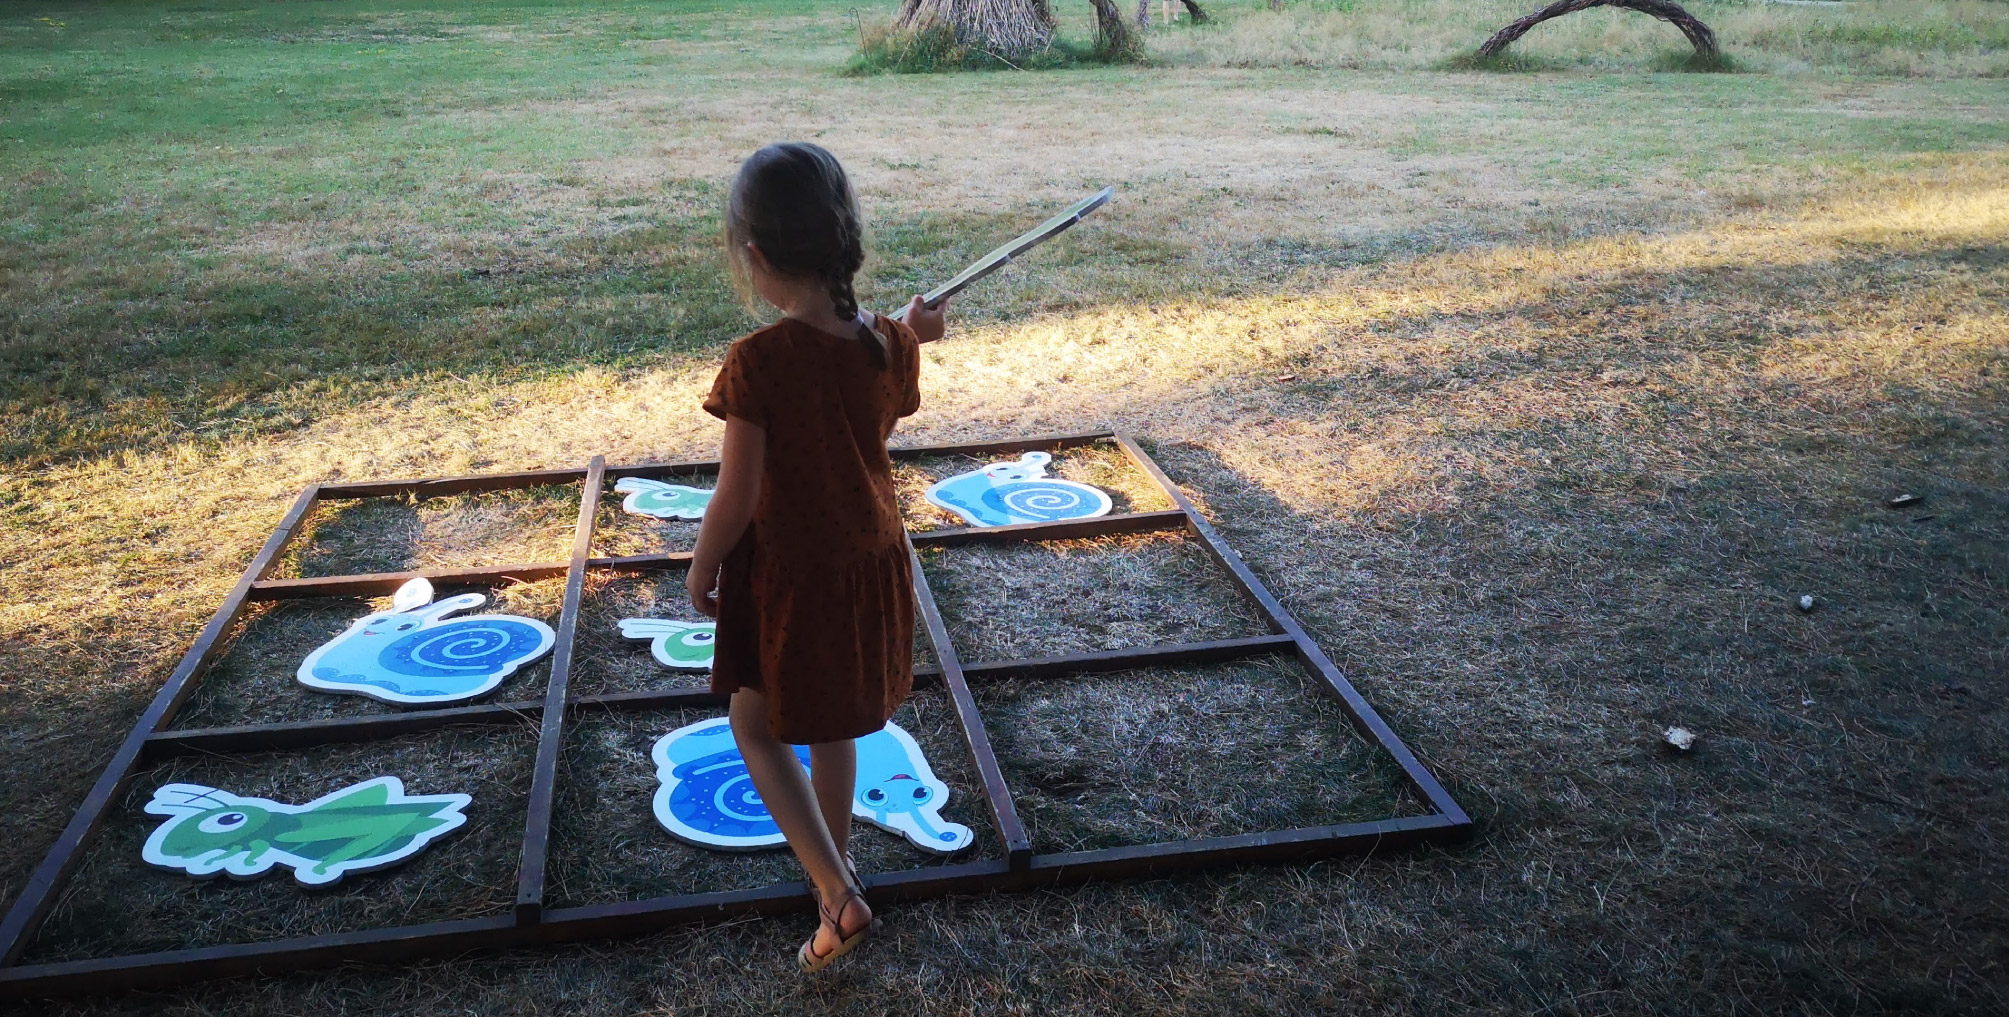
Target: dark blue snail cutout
(707, 798)
(1005, 493)
(412, 654)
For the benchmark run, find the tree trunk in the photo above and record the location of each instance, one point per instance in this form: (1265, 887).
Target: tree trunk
(1698, 33)
(1114, 39)
(1009, 29)
(1199, 16)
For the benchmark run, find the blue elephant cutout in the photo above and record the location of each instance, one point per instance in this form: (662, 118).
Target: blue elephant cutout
(1017, 492)
(413, 655)
(707, 798)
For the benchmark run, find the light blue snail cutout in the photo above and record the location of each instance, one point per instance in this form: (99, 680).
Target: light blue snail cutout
(1005, 493)
(361, 828)
(664, 501)
(707, 798)
(412, 654)
(686, 646)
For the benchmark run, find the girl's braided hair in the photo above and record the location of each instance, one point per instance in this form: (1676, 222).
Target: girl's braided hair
(793, 201)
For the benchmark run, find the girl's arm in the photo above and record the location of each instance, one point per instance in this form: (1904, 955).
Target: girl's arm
(730, 510)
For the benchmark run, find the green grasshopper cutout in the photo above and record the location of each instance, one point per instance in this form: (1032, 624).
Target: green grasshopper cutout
(361, 828)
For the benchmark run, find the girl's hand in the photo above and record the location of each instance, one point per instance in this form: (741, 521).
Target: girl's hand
(703, 583)
(928, 325)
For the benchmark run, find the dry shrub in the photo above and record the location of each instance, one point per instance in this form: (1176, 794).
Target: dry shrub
(1007, 29)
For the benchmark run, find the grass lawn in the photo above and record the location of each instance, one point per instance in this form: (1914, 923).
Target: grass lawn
(1539, 397)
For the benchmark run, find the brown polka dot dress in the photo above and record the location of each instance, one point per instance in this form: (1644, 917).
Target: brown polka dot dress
(816, 601)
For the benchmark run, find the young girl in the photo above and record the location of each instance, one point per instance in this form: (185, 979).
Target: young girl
(802, 555)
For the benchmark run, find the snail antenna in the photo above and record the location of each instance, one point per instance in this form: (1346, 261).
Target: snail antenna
(414, 594)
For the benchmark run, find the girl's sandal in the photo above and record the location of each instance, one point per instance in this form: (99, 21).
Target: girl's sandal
(811, 961)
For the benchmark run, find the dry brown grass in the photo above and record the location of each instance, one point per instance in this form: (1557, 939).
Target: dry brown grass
(400, 534)
(1168, 754)
(1009, 601)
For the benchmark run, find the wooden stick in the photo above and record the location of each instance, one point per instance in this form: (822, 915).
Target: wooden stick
(1002, 255)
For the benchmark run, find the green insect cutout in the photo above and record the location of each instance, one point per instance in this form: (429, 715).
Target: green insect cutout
(664, 501)
(360, 828)
(686, 646)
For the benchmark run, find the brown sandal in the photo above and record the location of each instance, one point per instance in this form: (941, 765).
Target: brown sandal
(811, 961)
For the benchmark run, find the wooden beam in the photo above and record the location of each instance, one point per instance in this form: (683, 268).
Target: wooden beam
(1104, 661)
(550, 739)
(106, 975)
(651, 699)
(433, 487)
(426, 487)
(1018, 847)
(377, 584)
(657, 471)
(981, 449)
(304, 734)
(1064, 529)
(626, 918)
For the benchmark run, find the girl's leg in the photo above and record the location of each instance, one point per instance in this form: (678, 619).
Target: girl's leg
(833, 769)
(790, 799)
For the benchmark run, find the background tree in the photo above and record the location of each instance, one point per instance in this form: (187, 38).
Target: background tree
(1192, 10)
(1007, 28)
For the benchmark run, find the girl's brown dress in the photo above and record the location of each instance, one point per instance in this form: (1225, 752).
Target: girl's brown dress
(816, 601)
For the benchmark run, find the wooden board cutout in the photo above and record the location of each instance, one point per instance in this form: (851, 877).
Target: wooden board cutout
(413, 655)
(707, 798)
(361, 828)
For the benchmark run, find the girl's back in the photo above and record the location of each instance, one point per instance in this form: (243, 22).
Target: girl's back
(827, 408)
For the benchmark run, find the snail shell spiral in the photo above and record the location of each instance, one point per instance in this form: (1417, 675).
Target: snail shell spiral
(1041, 500)
(716, 795)
(473, 646)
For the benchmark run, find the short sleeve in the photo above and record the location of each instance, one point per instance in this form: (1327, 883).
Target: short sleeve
(737, 390)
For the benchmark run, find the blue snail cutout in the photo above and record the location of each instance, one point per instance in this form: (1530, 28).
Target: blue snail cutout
(1005, 493)
(707, 798)
(412, 654)
(664, 501)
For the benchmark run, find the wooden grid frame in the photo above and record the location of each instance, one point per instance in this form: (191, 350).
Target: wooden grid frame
(532, 921)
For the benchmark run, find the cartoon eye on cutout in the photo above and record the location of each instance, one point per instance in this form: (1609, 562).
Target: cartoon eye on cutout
(876, 796)
(700, 639)
(922, 794)
(222, 822)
